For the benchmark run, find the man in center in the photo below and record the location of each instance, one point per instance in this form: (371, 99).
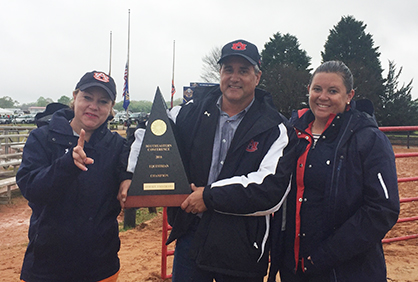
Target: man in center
(238, 153)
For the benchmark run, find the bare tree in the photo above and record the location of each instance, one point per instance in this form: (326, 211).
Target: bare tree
(210, 69)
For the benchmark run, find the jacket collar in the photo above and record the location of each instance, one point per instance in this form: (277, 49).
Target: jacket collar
(355, 118)
(261, 116)
(60, 126)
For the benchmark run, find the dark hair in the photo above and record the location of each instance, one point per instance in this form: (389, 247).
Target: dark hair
(336, 67)
(256, 67)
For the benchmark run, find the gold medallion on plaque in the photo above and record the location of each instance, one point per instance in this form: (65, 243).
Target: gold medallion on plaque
(158, 127)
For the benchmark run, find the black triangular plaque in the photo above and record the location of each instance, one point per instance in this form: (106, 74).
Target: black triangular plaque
(159, 179)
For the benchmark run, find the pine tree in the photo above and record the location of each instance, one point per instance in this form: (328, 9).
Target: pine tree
(285, 72)
(349, 43)
(397, 107)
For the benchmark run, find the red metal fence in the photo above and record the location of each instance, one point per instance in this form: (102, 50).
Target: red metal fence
(164, 250)
(166, 227)
(409, 129)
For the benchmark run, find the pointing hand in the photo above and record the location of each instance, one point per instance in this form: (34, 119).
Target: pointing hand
(79, 156)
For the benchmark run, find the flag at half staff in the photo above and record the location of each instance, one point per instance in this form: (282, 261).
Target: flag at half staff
(173, 90)
(126, 100)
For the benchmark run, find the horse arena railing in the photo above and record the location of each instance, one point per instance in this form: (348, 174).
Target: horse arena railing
(404, 179)
(166, 227)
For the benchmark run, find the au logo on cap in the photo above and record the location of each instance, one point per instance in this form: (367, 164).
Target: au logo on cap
(101, 76)
(239, 46)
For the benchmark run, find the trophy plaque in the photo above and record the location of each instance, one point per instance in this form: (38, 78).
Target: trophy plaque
(159, 178)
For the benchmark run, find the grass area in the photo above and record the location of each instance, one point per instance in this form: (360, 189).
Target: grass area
(142, 215)
(399, 135)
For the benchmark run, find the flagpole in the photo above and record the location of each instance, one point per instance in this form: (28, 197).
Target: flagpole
(110, 55)
(129, 30)
(173, 89)
(127, 62)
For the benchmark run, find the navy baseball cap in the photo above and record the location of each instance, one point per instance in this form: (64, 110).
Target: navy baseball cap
(241, 48)
(100, 79)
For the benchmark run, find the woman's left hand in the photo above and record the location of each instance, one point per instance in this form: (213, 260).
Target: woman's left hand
(123, 191)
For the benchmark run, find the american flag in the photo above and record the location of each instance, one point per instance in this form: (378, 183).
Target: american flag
(173, 90)
(126, 100)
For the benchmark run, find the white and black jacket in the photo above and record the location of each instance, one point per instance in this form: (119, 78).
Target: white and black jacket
(233, 234)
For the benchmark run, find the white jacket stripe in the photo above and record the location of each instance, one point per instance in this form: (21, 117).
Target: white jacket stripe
(267, 167)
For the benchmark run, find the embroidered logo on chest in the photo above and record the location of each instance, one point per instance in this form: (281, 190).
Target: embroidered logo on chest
(252, 146)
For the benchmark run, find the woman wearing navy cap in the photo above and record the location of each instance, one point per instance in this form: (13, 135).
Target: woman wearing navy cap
(71, 173)
(344, 195)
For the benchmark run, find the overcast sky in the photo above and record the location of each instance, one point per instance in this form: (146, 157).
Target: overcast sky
(46, 46)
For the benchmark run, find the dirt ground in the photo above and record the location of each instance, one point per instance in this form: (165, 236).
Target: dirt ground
(140, 252)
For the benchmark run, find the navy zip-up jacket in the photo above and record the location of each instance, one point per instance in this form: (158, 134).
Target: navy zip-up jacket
(344, 199)
(233, 234)
(73, 233)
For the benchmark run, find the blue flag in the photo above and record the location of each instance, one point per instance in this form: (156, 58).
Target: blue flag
(126, 100)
